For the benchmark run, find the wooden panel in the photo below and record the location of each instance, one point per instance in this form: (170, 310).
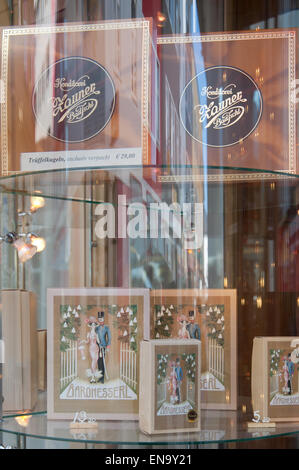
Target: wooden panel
(20, 337)
(42, 359)
(12, 336)
(29, 349)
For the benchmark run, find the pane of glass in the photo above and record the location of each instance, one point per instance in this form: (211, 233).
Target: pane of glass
(149, 199)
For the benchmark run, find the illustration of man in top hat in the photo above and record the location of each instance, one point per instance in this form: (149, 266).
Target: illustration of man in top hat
(104, 341)
(192, 327)
(179, 378)
(291, 370)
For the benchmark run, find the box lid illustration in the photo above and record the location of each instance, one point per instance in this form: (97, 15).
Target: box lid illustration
(233, 105)
(93, 351)
(66, 102)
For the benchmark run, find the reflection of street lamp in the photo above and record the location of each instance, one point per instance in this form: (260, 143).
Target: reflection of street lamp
(27, 245)
(23, 420)
(25, 250)
(38, 242)
(262, 282)
(161, 19)
(37, 202)
(259, 302)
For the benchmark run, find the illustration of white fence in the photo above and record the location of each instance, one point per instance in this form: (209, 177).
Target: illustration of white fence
(68, 365)
(190, 392)
(161, 393)
(274, 384)
(216, 359)
(128, 366)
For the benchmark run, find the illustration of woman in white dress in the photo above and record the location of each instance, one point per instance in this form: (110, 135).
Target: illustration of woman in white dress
(172, 384)
(183, 331)
(285, 374)
(93, 373)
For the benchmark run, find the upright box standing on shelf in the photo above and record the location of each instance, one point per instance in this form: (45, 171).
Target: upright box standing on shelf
(208, 315)
(42, 359)
(20, 339)
(275, 378)
(169, 386)
(93, 351)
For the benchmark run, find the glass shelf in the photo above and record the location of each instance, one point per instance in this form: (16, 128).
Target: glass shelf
(75, 184)
(218, 427)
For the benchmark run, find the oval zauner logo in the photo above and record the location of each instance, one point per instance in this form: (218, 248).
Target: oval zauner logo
(74, 99)
(220, 106)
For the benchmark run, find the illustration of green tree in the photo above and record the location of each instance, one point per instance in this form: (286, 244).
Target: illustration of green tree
(275, 358)
(161, 367)
(163, 321)
(70, 323)
(214, 320)
(126, 322)
(190, 365)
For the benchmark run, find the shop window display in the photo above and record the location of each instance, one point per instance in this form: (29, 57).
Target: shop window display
(148, 229)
